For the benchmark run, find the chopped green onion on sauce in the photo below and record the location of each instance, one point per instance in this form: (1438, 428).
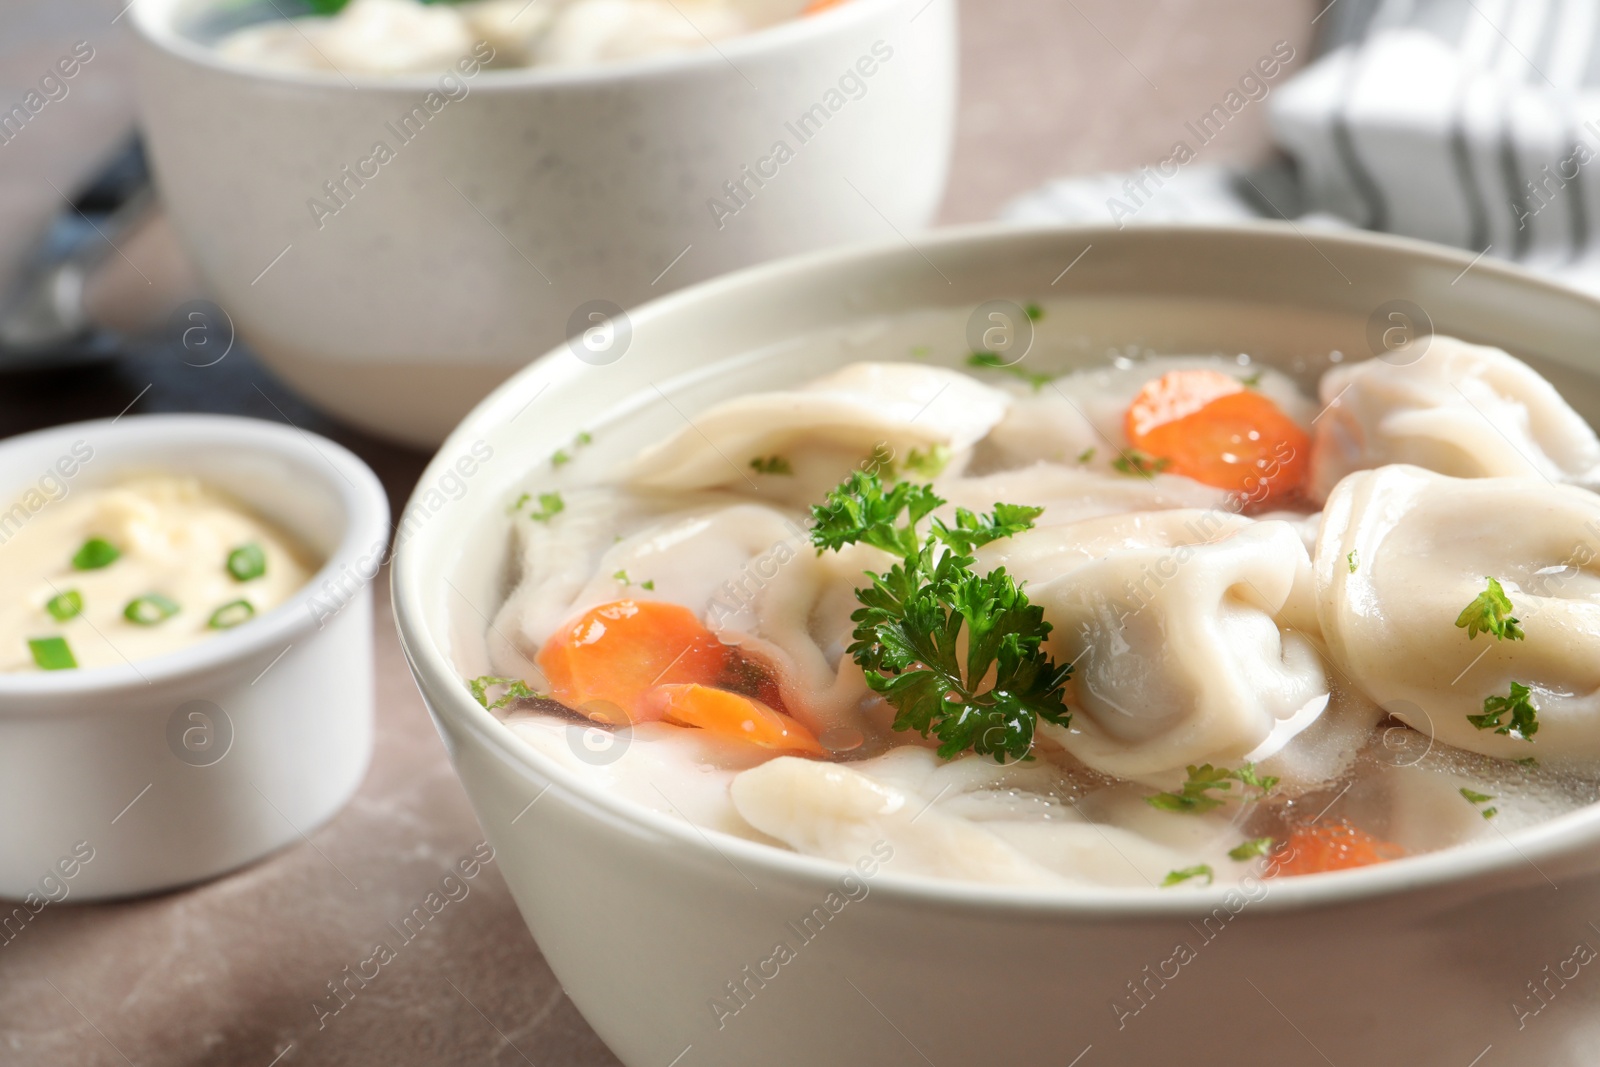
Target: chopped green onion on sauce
(52, 653)
(231, 614)
(96, 552)
(64, 606)
(150, 609)
(247, 562)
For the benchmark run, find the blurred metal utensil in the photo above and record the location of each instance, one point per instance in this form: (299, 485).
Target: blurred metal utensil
(46, 320)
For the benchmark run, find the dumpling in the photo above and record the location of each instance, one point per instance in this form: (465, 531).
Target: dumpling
(1080, 415)
(1072, 493)
(747, 571)
(1466, 410)
(973, 820)
(820, 431)
(1403, 551)
(1191, 634)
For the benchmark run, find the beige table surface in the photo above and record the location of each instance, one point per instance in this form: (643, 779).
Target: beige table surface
(227, 973)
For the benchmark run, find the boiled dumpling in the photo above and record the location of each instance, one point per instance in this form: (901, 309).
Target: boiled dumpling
(819, 432)
(747, 571)
(1191, 634)
(1071, 493)
(1460, 409)
(973, 820)
(1403, 551)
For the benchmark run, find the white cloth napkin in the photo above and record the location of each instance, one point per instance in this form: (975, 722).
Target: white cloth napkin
(1474, 123)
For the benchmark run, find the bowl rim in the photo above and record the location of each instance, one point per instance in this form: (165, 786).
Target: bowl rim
(366, 528)
(153, 22)
(448, 698)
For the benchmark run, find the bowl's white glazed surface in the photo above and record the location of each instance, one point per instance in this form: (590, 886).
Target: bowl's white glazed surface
(523, 196)
(182, 766)
(667, 937)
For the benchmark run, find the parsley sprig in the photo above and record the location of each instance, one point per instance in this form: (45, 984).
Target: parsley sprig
(515, 689)
(911, 622)
(1490, 613)
(1524, 714)
(1195, 796)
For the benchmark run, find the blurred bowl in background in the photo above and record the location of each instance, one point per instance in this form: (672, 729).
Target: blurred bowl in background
(511, 209)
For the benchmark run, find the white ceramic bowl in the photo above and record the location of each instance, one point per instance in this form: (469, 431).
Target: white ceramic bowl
(647, 920)
(179, 767)
(533, 195)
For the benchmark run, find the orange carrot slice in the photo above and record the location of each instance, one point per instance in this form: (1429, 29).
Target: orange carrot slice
(733, 716)
(1209, 427)
(1332, 847)
(605, 663)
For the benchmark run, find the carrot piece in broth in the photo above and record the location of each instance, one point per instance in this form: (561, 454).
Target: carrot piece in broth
(733, 716)
(1209, 427)
(606, 662)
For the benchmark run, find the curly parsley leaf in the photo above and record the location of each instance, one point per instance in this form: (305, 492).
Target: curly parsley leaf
(913, 617)
(1256, 846)
(515, 689)
(1140, 465)
(1196, 795)
(929, 464)
(1490, 613)
(995, 361)
(1524, 722)
(1202, 870)
(771, 465)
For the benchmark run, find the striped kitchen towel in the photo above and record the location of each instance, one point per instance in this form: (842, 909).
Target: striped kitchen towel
(1474, 123)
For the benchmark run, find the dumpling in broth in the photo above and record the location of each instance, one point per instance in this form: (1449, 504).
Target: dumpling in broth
(1403, 551)
(820, 431)
(1191, 633)
(1466, 410)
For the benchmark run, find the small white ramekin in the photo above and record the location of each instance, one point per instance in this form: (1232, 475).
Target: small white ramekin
(177, 768)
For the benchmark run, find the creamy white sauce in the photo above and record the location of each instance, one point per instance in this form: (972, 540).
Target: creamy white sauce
(172, 539)
(409, 37)
(1200, 634)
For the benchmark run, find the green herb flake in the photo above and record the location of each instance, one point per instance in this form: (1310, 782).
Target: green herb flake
(1489, 813)
(931, 631)
(521, 502)
(515, 689)
(52, 653)
(771, 465)
(1350, 558)
(1524, 721)
(1257, 846)
(64, 606)
(1472, 796)
(231, 614)
(622, 576)
(1178, 877)
(1251, 381)
(921, 351)
(929, 464)
(1195, 796)
(1138, 463)
(1086, 455)
(1034, 312)
(559, 458)
(96, 552)
(650, 585)
(584, 438)
(1490, 612)
(150, 609)
(995, 361)
(550, 505)
(246, 562)
(1528, 763)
